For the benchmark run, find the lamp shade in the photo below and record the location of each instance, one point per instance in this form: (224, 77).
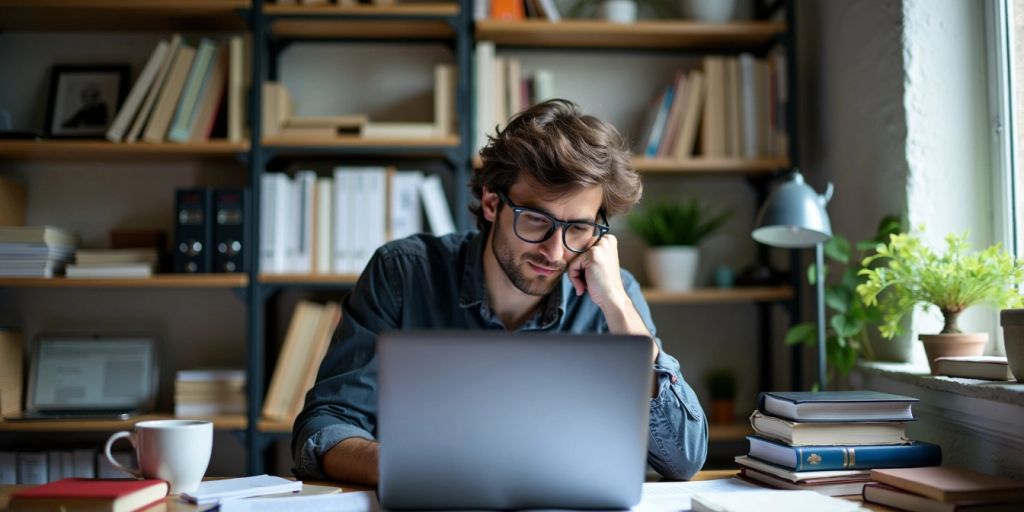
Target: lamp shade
(794, 216)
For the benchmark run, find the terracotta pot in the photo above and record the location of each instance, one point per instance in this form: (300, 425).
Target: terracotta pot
(723, 410)
(1012, 321)
(950, 345)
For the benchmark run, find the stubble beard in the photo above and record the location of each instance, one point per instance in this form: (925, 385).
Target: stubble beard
(538, 287)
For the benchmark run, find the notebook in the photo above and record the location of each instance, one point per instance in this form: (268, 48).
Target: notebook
(974, 367)
(512, 421)
(74, 376)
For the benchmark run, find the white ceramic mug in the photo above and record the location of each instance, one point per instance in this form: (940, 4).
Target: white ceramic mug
(177, 451)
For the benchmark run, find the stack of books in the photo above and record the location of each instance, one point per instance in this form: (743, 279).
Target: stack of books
(829, 442)
(943, 489)
(126, 263)
(209, 392)
(34, 251)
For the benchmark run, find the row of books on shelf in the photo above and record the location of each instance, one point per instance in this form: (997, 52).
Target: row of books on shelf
(340, 3)
(503, 90)
(732, 107)
(847, 443)
(279, 119)
(40, 467)
(333, 224)
(184, 92)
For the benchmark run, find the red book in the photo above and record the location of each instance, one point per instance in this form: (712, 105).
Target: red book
(89, 494)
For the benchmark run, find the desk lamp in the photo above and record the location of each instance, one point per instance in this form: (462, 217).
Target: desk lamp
(794, 217)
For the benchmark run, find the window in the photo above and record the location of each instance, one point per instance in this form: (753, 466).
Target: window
(1006, 67)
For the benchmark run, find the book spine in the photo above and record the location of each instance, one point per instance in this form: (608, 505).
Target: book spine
(828, 458)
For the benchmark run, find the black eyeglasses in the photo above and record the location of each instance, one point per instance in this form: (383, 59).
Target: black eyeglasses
(534, 226)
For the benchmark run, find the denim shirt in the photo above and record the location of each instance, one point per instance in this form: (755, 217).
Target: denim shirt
(426, 282)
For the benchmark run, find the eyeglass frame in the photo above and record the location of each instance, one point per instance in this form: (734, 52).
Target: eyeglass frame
(602, 229)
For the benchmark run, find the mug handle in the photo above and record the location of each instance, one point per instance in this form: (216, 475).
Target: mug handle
(137, 473)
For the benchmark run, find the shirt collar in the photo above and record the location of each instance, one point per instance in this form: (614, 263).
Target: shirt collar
(473, 290)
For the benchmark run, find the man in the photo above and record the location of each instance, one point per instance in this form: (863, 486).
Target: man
(543, 260)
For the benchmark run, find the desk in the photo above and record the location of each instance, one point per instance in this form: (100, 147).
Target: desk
(172, 504)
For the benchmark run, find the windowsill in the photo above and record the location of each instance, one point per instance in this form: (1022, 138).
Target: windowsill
(1007, 392)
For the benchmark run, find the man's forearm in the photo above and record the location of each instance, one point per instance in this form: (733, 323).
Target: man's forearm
(352, 460)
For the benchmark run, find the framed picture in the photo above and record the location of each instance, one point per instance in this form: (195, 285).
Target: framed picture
(84, 99)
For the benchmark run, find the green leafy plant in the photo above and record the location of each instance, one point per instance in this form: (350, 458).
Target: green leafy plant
(721, 384)
(905, 272)
(848, 316)
(671, 224)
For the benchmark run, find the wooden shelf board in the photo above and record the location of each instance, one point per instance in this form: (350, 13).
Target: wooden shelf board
(719, 295)
(71, 149)
(157, 281)
(105, 15)
(362, 29)
(709, 165)
(729, 431)
(642, 34)
(309, 278)
(327, 11)
(229, 422)
(359, 142)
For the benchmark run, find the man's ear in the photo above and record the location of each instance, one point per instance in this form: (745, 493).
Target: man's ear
(489, 202)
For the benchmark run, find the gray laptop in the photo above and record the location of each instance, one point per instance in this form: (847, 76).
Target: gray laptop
(489, 420)
(73, 376)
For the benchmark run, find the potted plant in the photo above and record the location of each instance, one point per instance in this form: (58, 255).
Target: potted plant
(909, 273)
(847, 336)
(672, 232)
(722, 387)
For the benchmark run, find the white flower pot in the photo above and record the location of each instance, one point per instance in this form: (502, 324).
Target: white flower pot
(672, 268)
(713, 11)
(619, 11)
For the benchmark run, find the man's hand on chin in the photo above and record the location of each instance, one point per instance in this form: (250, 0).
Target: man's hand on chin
(597, 272)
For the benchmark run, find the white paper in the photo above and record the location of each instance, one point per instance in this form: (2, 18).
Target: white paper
(675, 496)
(261, 485)
(795, 501)
(362, 501)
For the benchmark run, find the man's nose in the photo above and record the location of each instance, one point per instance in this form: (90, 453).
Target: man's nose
(552, 248)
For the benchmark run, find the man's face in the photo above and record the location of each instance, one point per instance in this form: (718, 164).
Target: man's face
(535, 269)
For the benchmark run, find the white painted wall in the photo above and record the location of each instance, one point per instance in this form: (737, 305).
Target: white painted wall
(949, 184)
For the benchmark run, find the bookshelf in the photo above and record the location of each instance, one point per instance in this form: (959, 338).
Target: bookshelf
(643, 34)
(227, 422)
(76, 149)
(156, 281)
(121, 15)
(272, 29)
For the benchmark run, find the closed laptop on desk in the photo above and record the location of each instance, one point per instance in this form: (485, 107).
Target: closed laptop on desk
(511, 421)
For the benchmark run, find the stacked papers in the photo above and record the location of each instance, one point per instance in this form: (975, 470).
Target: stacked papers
(216, 491)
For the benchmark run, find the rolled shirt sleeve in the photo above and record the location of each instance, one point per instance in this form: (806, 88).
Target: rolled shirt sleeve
(343, 402)
(678, 443)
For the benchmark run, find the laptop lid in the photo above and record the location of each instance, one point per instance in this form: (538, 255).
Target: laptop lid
(491, 420)
(71, 374)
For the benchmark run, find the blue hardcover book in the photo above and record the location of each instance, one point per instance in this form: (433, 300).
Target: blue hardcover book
(836, 406)
(831, 458)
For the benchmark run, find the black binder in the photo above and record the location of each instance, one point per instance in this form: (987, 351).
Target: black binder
(193, 230)
(229, 245)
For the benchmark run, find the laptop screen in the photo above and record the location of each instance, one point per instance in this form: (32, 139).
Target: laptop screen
(86, 374)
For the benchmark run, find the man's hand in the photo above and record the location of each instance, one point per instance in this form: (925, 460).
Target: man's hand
(353, 460)
(597, 272)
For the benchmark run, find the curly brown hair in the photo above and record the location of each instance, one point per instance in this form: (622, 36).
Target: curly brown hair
(561, 149)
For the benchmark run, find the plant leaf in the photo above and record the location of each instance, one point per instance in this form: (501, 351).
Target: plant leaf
(801, 333)
(838, 249)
